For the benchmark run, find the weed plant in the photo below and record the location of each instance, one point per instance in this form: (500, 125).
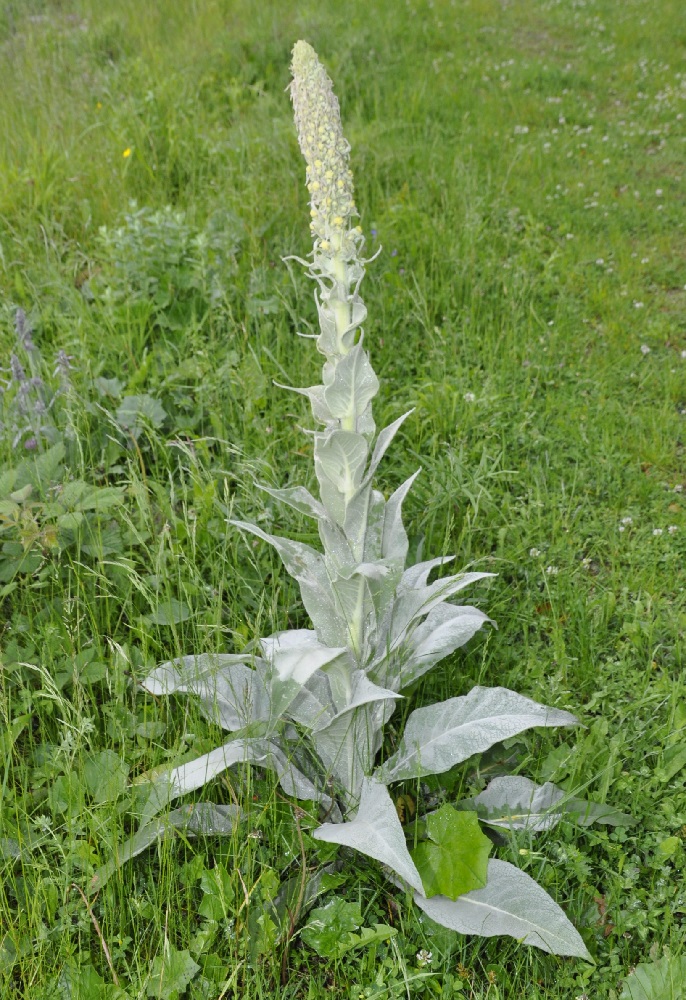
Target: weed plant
(521, 167)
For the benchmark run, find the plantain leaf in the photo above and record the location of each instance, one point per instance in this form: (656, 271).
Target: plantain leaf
(662, 980)
(455, 858)
(442, 735)
(512, 904)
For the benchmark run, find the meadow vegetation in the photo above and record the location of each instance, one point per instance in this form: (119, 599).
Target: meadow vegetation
(521, 165)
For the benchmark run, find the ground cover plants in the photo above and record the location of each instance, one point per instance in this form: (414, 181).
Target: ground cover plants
(521, 170)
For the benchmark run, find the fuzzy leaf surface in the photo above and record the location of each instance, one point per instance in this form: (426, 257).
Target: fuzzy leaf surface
(517, 803)
(455, 858)
(376, 832)
(442, 735)
(511, 904)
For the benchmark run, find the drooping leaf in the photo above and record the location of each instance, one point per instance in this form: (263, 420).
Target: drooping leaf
(442, 735)
(376, 832)
(661, 980)
(199, 819)
(455, 858)
(231, 693)
(511, 904)
(517, 803)
(445, 629)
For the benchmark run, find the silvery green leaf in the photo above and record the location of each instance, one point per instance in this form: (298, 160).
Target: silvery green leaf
(231, 693)
(417, 576)
(289, 638)
(348, 746)
(394, 544)
(338, 552)
(511, 904)
(313, 705)
(176, 675)
(383, 442)
(364, 692)
(375, 831)
(442, 735)
(415, 603)
(196, 819)
(309, 569)
(169, 785)
(339, 461)
(298, 498)
(517, 803)
(291, 668)
(353, 386)
(356, 610)
(292, 779)
(445, 629)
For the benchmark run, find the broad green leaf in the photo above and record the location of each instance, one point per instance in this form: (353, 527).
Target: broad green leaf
(662, 980)
(136, 412)
(105, 776)
(170, 612)
(83, 982)
(511, 904)
(455, 859)
(330, 926)
(517, 803)
(376, 832)
(171, 973)
(442, 735)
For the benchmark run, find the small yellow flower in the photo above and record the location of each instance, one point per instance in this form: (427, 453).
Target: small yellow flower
(127, 153)
(98, 105)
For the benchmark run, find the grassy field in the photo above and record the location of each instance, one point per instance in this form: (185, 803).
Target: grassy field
(522, 166)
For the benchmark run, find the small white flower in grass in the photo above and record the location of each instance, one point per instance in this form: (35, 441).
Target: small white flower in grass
(469, 397)
(552, 570)
(627, 520)
(645, 349)
(621, 528)
(657, 531)
(683, 354)
(679, 488)
(569, 236)
(586, 562)
(672, 529)
(638, 305)
(424, 957)
(600, 261)
(534, 553)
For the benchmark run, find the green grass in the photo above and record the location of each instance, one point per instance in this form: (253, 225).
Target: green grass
(522, 166)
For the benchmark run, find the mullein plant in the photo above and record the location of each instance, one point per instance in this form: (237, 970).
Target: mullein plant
(311, 704)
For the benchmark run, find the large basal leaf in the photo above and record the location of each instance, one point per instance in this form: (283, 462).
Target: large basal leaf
(661, 980)
(442, 735)
(512, 904)
(517, 803)
(196, 773)
(376, 832)
(231, 693)
(195, 820)
(455, 858)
